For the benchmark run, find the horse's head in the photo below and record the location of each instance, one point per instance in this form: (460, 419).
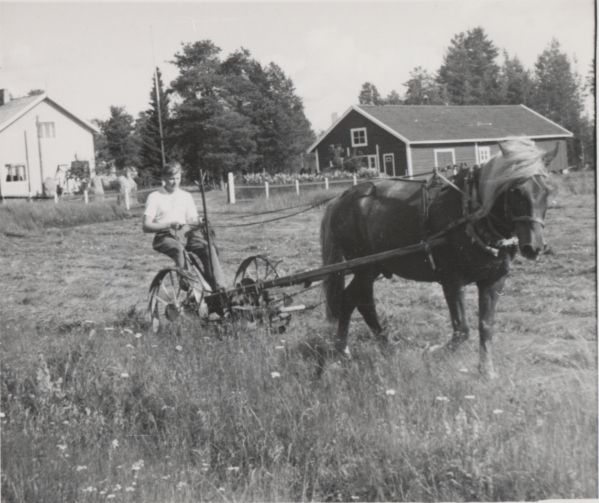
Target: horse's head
(526, 205)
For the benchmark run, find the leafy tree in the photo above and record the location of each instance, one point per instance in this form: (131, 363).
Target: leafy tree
(121, 143)
(369, 95)
(423, 89)
(236, 115)
(559, 95)
(149, 133)
(516, 83)
(102, 154)
(469, 70)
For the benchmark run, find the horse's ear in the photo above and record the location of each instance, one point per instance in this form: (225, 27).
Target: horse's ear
(549, 156)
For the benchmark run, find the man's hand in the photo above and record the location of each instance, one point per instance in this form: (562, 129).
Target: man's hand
(176, 226)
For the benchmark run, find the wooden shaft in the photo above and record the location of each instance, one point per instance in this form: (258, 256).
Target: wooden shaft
(208, 239)
(322, 272)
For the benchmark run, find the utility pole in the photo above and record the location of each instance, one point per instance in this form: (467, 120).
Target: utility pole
(158, 100)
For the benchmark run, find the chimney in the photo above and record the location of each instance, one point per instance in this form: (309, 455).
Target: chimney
(334, 117)
(4, 97)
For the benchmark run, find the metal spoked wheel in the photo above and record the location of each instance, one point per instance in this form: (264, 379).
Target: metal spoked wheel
(175, 295)
(259, 305)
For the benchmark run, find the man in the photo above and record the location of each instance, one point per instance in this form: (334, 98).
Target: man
(169, 214)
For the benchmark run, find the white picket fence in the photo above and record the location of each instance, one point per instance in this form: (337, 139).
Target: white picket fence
(266, 188)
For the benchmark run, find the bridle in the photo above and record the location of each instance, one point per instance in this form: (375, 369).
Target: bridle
(522, 218)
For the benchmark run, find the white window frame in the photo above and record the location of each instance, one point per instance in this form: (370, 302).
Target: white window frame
(444, 151)
(358, 131)
(14, 171)
(46, 130)
(487, 151)
(372, 162)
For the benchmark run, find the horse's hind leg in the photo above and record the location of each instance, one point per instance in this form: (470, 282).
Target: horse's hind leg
(359, 293)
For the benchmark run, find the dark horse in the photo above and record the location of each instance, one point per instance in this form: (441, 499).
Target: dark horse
(478, 213)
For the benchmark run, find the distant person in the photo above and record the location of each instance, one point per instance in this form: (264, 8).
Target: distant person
(170, 214)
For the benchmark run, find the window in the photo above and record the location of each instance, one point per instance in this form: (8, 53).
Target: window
(46, 130)
(15, 173)
(372, 161)
(358, 137)
(444, 157)
(484, 154)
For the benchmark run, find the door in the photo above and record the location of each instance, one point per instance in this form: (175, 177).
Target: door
(389, 162)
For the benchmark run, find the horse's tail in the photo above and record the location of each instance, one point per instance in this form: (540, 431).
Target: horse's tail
(333, 284)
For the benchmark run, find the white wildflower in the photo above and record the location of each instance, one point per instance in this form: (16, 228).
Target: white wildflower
(233, 468)
(129, 346)
(464, 370)
(497, 411)
(442, 399)
(129, 489)
(279, 347)
(274, 375)
(179, 348)
(390, 392)
(470, 397)
(79, 468)
(62, 447)
(129, 331)
(138, 336)
(138, 466)
(114, 444)
(117, 487)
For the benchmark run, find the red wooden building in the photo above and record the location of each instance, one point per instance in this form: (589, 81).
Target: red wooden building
(409, 140)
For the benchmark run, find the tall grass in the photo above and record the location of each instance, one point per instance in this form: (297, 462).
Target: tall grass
(19, 216)
(238, 415)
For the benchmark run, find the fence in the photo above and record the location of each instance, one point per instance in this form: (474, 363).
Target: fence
(244, 192)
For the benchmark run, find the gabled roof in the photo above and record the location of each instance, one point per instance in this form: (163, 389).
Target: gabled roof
(420, 124)
(14, 109)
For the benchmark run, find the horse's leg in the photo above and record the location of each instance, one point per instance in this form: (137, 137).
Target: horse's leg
(488, 295)
(353, 296)
(455, 298)
(366, 305)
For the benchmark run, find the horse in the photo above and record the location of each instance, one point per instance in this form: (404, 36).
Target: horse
(484, 215)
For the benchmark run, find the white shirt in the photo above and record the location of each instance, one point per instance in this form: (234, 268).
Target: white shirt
(178, 207)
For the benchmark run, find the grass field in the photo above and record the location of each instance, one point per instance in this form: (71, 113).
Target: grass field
(96, 407)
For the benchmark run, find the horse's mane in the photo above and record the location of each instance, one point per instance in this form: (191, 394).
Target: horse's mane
(518, 160)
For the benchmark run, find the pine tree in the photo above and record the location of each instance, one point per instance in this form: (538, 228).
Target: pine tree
(469, 71)
(369, 95)
(559, 95)
(517, 85)
(121, 142)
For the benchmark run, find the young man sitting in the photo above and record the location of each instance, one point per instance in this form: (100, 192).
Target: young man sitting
(169, 214)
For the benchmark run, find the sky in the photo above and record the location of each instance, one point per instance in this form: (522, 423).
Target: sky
(91, 55)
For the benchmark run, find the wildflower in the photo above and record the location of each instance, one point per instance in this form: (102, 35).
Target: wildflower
(110, 496)
(181, 484)
(89, 489)
(62, 447)
(138, 466)
(233, 468)
(102, 493)
(138, 336)
(442, 399)
(390, 392)
(109, 328)
(114, 444)
(179, 348)
(274, 375)
(124, 375)
(129, 489)
(283, 341)
(469, 397)
(154, 345)
(79, 468)
(117, 487)
(497, 411)
(540, 422)
(2, 415)
(127, 330)
(221, 489)
(129, 346)
(166, 477)
(464, 370)
(279, 347)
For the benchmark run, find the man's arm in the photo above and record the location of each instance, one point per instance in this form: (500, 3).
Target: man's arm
(149, 226)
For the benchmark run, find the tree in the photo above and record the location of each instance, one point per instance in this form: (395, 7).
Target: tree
(148, 130)
(423, 89)
(393, 98)
(469, 70)
(122, 144)
(102, 153)
(236, 115)
(558, 95)
(369, 95)
(516, 83)
(36, 92)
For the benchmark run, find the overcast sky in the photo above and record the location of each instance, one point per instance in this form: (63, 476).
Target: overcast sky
(89, 56)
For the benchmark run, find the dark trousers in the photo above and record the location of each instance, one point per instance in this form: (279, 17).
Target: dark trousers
(172, 243)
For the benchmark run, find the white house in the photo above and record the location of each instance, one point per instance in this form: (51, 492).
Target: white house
(39, 139)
